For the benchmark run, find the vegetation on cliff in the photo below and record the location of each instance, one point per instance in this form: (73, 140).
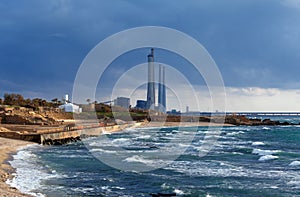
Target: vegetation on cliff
(18, 100)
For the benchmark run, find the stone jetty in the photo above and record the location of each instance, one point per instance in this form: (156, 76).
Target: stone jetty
(57, 135)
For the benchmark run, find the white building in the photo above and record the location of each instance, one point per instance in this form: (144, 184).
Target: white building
(70, 107)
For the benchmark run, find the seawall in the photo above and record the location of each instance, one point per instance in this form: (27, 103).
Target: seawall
(57, 136)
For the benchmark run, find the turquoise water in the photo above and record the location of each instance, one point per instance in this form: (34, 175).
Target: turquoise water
(245, 161)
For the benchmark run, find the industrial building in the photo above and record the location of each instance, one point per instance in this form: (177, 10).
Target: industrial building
(122, 102)
(141, 104)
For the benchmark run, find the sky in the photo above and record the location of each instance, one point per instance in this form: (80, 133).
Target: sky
(255, 44)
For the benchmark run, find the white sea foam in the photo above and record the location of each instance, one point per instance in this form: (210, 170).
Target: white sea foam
(178, 192)
(95, 144)
(120, 140)
(29, 174)
(144, 137)
(82, 189)
(137, 158)
(117, 187)
(235, 133)
(102, 150)
(239, 128)
(295, 163)
(73, 156)
(237, 153)
(106, 188)
(184, 145)
(264, 152)
(267, 157)
(266, 128)
(258, 144)
(165, 186)
(226, 169)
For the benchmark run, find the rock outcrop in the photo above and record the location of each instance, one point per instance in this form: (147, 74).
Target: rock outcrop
(243, 120)
(26, 116)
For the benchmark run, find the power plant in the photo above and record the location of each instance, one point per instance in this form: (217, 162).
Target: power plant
(150, 102)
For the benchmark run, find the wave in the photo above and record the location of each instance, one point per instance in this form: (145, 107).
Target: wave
(140, 159)
(144, 137)
(165, 186)
(267, 157)
(29, 173)
(102, 150)
(235, 133)
(73, 156)
(239, 128)
(84, 190)
(295, 163)
(178, 192)
(265, 152)
(120, 140)
(258, 144)
(295, 182)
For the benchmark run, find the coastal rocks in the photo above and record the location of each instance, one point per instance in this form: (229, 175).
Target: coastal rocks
(26, 116)
(243, 120)
(238, 120)
(276, 123)
(61, 141)
(26, 120)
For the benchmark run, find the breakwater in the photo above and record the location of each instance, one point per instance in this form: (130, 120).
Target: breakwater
(62, 135)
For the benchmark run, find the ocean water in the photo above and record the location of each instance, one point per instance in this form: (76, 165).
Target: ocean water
(245, 161)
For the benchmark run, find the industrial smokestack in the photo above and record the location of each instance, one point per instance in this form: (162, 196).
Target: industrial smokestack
(151, 83)
(161, 89)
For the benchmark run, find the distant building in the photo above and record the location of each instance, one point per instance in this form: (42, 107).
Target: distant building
(122, 102)
(141, 104)
(174, 112)
(70, 107)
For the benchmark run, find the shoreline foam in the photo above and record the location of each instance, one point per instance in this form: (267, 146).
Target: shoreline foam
(9, 147)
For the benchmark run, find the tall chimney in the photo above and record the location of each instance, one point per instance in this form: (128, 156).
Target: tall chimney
(151, 83)
(162, 89)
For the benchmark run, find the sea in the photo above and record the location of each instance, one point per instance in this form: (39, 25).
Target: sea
(236, 161)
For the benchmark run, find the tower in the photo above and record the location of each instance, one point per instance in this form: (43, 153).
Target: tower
(161, 89)
(151, 84)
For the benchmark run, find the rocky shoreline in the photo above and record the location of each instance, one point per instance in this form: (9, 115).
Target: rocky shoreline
(245, 121)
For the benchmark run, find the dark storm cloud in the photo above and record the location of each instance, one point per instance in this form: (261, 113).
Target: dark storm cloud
(254, 43)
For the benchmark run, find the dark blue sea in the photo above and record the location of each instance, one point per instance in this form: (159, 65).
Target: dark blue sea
(243, 161)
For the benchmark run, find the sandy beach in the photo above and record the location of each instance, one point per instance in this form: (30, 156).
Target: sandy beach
(8, 147)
